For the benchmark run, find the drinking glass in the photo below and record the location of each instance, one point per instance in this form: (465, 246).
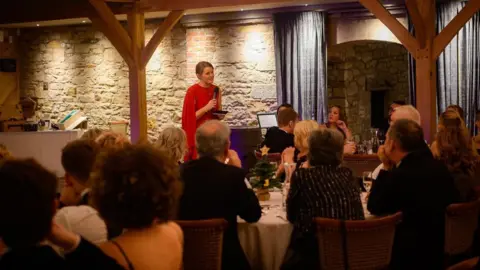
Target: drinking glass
(367, 181)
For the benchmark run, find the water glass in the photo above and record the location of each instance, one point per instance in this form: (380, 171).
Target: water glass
(367, 181)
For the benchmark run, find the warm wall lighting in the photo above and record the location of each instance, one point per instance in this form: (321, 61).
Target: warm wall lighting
(83, 21)
(306, 5)
(38, 24)
(241, 9)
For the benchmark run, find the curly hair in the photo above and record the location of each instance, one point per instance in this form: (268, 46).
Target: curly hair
(454, 143)
(302, 132)
(110, 140)
(92, 134)
(134, 186)
(173, 141)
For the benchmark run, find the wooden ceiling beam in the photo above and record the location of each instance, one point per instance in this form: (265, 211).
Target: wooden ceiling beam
(167, 25)
(113, 30)
(393, 24)
(453, 27)
(170, 5)
(417, 20)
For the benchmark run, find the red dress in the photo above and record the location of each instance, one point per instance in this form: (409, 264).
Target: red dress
(195, 99)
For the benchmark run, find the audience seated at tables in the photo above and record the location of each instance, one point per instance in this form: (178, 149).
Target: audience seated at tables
(173, 141)
(78, 158)
(419, 186)
(281, 137)
(321, 188)
(400, 112)
(137, 188)
(92, 134)
(213, 189)
(26, 226)
(453, 147)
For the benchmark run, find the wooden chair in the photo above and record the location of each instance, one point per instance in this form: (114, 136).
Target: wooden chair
(461, 221)
(360, 244)
(203, 243)
(273, 157)
(469, 264)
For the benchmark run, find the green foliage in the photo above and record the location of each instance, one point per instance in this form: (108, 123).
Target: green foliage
(264, 170)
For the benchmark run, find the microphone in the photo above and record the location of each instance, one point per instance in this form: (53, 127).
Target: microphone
(215, 92)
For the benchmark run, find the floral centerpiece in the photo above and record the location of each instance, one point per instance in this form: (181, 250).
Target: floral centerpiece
(263, 176)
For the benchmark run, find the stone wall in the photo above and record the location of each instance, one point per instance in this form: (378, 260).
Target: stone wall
(357, 68)
(76, 67)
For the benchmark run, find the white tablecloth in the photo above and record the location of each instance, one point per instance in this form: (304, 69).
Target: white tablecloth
(266, 241)
(44, 146)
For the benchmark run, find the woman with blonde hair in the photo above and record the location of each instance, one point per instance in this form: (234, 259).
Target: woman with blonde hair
(109, 140)
(454, 148)
(302, 132)
(173, 141)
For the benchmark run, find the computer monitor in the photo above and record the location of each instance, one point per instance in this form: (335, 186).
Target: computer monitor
(267, 120)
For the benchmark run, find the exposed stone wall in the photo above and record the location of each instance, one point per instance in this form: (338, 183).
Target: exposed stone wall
(357, 68)
(76, 67)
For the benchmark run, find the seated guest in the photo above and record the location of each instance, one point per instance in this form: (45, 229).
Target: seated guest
(26, 225)
(457, 109)
(403, 112)
(284, 106)
(78, 158)
(111, 140)
(336, 120)
(453, 146)
(322, 189)
(301, 134)
(421, 188)
(92, 134)
(391, 109)
(213, 189)
(173, 141)
(137, 188)
(281, 137)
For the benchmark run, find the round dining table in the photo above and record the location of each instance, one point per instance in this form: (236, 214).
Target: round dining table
(266, 241)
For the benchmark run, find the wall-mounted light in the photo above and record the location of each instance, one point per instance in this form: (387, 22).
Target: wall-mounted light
(241, 9)
(83, 21)
(306, 5)
(38, 24)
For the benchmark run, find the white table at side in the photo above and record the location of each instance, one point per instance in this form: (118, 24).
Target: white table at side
(266, 241)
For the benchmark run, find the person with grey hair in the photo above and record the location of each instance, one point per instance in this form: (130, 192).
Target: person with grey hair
(213, 188)
(173, 142)
(420, 187)
(320, 188)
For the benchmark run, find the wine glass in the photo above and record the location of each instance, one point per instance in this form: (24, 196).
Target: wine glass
(367, 181)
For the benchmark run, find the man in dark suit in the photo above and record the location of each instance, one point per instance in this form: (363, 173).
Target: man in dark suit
(281, 137)
(421, 188)
(213, 189)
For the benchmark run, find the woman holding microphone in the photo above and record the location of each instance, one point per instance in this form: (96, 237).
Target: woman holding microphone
(201, 100)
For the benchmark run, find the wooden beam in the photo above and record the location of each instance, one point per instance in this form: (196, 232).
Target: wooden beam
(450, 31)
(121, 1)
(137, 76)
(426, 80)
(417, 21)
(112, 29)
(393, 24)
(194, 4)
(162, 31)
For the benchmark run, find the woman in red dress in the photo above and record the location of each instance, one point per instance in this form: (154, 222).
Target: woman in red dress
(199, 105)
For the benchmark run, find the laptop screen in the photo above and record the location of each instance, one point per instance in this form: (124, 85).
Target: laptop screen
(267, 120)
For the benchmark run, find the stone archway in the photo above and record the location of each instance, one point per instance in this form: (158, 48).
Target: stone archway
(357, 68)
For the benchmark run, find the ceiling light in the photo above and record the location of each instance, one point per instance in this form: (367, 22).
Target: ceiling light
(241, 9)
(306, 5)
(38, 24)
(83, 21)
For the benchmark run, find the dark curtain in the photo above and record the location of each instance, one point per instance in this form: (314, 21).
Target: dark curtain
(412, 71)
(300, 56)
(458, 66)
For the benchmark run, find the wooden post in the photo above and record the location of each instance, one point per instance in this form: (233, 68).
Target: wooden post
(131, 46)
(138, 77)
(426, 72)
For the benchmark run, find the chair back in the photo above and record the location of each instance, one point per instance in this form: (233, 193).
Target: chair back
(461, 220)
(356, 244)
(272, 157)
(203, 243)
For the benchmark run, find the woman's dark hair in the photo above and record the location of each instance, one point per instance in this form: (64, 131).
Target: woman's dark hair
(135, 185)
(27, 202)
(341, 114)
(201, 66)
